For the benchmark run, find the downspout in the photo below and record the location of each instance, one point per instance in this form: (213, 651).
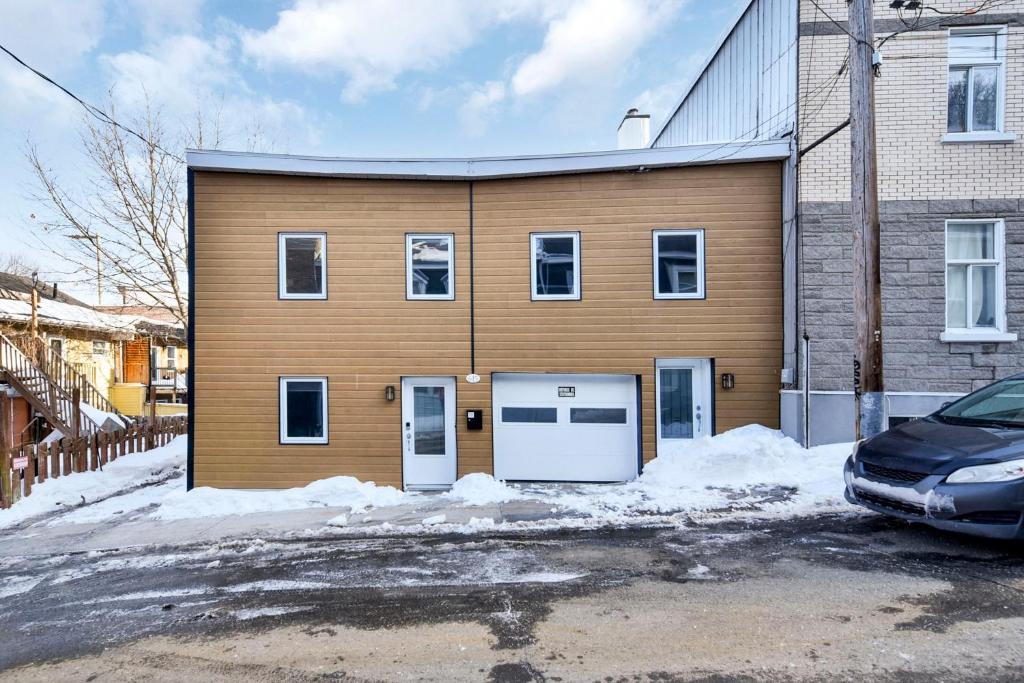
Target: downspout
(472, 297)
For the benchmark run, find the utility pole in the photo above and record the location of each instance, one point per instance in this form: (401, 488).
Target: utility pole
(868, 386)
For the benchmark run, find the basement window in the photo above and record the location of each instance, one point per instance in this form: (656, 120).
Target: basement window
(302, 258)
(555, 266)
(429, 266)
(679, 264)
(303, 405)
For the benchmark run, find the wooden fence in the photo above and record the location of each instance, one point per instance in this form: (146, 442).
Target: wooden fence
(23, 467)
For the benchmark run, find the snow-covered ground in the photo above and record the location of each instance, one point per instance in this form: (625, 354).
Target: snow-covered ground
(752, 470)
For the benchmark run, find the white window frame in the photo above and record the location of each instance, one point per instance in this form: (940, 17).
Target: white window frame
(699, 232)
(970, 333)
(104, 349)
(577, 267)
(282, 265)
(283, 411)
(409, 289)
(999, 61)
(172, 357)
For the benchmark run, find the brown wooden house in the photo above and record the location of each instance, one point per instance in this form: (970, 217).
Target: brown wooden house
(561, 318)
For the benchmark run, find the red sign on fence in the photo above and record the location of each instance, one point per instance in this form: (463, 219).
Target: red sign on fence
(19, 463)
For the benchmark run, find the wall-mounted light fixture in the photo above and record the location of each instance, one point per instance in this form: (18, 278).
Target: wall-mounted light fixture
(389, 392)
(728, 380)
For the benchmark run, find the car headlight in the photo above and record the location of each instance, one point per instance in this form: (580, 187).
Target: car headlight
(856, 447)
(985, 474)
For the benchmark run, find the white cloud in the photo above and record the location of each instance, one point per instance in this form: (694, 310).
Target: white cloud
(372, 43)
(160, 17)
(480, 105)
(590, 43)
(183, 75)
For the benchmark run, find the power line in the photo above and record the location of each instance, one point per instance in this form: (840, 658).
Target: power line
(93, 111)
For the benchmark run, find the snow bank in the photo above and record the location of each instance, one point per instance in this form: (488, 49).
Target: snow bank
(126, 472)
(483, 489)
(335, 491)
(100, 416)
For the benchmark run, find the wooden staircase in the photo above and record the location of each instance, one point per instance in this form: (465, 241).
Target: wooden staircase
(50, 385)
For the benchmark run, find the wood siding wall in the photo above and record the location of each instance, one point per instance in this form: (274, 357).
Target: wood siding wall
(367, 336)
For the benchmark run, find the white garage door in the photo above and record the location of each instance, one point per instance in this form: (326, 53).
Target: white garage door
(565, 427)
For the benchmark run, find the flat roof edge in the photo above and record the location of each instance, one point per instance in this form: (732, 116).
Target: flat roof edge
(484, 168)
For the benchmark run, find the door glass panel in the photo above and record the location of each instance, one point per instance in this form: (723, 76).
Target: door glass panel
(956, 116)
(430, 266)
(986, 80)
(541, 415)
(612, 416)
(555, 265)
(428, 420)
(305, 409)
(983, 296)
(677, 264)
(676, 403)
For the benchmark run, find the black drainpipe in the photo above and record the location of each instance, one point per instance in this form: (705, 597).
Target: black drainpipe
(472, 299)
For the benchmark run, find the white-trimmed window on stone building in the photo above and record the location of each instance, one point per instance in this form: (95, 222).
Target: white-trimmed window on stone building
(976, 91)
(975, 282)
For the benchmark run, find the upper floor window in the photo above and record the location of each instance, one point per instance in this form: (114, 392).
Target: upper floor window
(678, 264)
(99, 348)
(554, 265)
(172, 356)
(429, 268)
(302, 258)
(975, 296)
(976, 74)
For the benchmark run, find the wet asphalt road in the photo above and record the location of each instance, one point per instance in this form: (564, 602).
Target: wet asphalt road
(827, 598)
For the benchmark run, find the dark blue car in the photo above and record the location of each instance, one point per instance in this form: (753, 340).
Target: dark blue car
(959, 469)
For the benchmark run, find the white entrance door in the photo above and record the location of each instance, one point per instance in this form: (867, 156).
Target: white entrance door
(684, 401)
(428, 432)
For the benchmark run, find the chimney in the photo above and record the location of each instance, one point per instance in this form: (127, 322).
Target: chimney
(635, 130)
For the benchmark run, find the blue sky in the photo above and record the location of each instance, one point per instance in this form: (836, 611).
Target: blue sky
(342, 77)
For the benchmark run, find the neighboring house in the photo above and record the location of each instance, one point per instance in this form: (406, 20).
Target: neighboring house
(77, 347)
(561, 318)
(158, 356)
(950, 113)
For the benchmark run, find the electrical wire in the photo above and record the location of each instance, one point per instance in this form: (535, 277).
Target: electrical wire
(93, 111)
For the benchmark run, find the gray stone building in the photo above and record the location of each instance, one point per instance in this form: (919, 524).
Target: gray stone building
(950, 110)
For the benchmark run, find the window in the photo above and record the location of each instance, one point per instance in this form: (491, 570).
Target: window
(172, 356)
(302, 259)
(303, 410)
(678, 264)
(594, 416)
(538, 415)
(429, 268)
(57, 345)
(555, 265)
(99, 348)
(975, 87)
(974, 280)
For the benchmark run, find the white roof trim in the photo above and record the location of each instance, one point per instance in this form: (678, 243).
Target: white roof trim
(730, 27)
(482, 168)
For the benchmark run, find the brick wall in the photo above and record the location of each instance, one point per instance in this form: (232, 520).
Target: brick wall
(911, 112)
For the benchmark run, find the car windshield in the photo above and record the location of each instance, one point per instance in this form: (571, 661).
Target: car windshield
(1001, 403)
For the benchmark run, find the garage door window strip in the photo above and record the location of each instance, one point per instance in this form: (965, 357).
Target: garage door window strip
(534, 415)
(303, 410)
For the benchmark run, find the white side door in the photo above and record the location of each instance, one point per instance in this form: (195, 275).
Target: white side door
(428, 432)
(683, 401)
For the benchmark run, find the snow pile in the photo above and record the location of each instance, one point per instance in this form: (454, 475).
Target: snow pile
(130, 471)
(101, 416)
(335, 491)
(483, 489)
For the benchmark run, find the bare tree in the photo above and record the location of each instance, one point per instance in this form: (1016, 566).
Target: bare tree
(16, 264)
